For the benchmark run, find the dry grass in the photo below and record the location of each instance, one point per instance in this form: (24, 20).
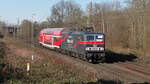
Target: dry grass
(46, 67)
(7, 71)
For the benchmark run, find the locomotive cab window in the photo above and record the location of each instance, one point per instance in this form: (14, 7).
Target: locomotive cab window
(90, 38)
(100, 38)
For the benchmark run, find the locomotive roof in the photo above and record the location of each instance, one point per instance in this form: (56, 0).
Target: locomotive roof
(66, 30)
(87, 33)
(56, 29)
(52, 29)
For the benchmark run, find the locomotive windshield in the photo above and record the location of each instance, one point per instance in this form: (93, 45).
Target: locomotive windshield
(90, 38)
(98, 38)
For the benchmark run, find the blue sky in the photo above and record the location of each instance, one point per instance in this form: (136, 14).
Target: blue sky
(10, 10)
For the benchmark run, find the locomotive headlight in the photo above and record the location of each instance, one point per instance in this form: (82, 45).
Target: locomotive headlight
(99, 40)
(87, 48)
(100, 36)
(101, 49)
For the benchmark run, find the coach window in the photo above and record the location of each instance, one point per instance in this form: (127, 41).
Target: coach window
(41, 37)
(56, 39)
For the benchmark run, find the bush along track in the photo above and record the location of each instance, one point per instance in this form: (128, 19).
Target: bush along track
(2, 62)
(7, 71)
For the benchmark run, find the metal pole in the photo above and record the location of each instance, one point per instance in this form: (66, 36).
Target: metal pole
(17, 27)
(89, 15)
(0, 25)
(32, 31)
(0, 18)
(47, 24)
(103, 20)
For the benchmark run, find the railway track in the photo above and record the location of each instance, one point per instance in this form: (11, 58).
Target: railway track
(120, 72)
(126, 72)
(129, 73)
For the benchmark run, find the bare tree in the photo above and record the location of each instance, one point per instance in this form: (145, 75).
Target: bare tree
(25, 31)
(126, 27)
(65, 13)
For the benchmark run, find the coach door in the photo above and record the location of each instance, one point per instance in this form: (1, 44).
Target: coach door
(56, 42)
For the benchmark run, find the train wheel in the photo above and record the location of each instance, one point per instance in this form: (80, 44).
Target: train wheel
(67, 53)
(70, 53)
(74, 54)
(77, 55)
(90, 60)
(94, 61)
(63, 51)
(102, 60)
(84, 58)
